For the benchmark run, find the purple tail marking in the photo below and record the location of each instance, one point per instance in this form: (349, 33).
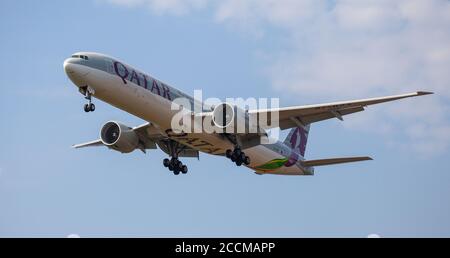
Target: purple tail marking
(297, 140)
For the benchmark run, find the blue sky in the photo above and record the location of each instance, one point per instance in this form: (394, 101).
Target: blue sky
(301, 51)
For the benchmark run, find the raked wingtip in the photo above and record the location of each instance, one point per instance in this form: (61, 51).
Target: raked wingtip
(421, 93)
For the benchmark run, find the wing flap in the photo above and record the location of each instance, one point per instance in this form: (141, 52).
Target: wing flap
(332, 161)
(185, 151)
(309, 119)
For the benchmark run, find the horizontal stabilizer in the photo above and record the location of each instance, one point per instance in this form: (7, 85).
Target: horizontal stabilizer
(324, 162)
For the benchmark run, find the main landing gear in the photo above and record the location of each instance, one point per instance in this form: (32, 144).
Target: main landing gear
(238, 156)
(87, 91)
(174, 164)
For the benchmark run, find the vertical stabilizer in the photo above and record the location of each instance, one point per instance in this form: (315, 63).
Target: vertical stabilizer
(297, 139)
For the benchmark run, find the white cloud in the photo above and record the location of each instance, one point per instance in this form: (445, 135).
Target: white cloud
(373, 236)
(351, 49)
(252, 15)
(73, 236)
(364, 15)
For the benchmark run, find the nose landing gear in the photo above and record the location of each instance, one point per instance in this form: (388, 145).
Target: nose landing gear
(89, 107)
(238, 156)
(88, 91)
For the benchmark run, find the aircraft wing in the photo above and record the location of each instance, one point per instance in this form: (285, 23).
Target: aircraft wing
(149, 138)
(147, 133)
(88, 144)
(303, 115)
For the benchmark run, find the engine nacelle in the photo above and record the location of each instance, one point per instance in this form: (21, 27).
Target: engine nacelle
(232, 119)
(119, 137)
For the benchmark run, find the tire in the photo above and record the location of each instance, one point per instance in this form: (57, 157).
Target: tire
(242, 156)
(176, 172)
(229, 153)
(233, 157)
(239, 163)
(184, 169)
(170, 167)
(179, 166)
(86, 108)
(247, 160)
(166, 162)
(92, 107)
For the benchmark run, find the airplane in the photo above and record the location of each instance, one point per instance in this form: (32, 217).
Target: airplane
(122, 86)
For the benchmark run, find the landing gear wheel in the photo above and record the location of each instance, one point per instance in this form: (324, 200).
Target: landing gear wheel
(92, 107)
(237, 156)
(166, 162)
(87, 91)
(247, 160)
(229, 153)
(179, 166)
(173, 163)
(175, 166)
(242, 156)
(89, 107)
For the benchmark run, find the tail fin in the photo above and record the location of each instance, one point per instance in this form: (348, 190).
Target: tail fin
(297, 139)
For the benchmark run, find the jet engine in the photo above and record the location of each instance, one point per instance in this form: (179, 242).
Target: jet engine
(119, 137)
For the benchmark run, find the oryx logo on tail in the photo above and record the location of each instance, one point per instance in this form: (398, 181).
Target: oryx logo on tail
(297, 139)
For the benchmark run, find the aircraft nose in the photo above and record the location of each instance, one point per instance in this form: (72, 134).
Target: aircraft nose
(68, 67)
(75, 71)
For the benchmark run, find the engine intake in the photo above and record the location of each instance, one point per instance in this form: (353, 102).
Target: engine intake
(119, 137)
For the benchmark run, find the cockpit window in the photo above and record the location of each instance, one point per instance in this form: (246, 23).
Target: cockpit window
(81, 56)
